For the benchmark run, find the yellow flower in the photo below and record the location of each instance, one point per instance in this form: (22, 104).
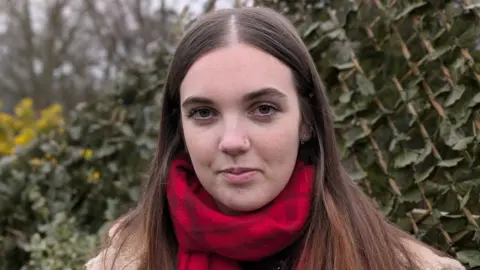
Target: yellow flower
(24, 109)
(51, 117)
(5, 148)
(54, 109)
(8, 121)
(93, 177)
(5, 118)
(24, 137)
(36, 161)
(22, 127)
(87, 153)
(42, 123)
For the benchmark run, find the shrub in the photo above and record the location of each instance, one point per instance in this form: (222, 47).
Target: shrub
(59, 191)
(403, 81)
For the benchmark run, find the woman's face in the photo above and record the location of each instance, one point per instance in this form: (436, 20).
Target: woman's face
(242, 125)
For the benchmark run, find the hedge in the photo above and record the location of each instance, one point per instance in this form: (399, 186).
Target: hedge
(403, 79)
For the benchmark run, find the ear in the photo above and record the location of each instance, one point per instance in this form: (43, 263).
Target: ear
(305, 132)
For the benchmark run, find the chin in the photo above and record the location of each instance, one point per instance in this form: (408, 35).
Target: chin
(241, 207)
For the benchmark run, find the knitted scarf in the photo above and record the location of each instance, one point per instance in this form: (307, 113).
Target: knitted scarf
(211, 240)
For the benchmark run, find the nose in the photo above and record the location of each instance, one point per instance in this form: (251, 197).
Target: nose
(234, 142)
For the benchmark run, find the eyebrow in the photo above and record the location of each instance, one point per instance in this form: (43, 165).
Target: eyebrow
(266, 91)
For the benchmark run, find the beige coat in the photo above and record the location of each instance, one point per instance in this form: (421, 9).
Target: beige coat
(127, 261)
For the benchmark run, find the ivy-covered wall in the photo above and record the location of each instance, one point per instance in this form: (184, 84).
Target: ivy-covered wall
(403, 79)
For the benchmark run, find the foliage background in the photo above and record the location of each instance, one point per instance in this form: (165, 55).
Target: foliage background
(403, 79)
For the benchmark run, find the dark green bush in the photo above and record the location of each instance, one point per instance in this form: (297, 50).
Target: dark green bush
(403, 79)
(58, 194)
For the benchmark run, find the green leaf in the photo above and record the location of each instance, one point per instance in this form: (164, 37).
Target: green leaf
(342, 113)
(409, 9)
(358, 175)
(346, 97)
(339, 55)
(397, 139)
(454, 225)
(475, 100)
(463, 143)
(61, 176)
(406, 158)
(420, 177)
(437, 53)
(353, 135)
(452, 10)
(105, 151)
(127, 130)
(50, 147)
(425, 152)
(5, 189)
(448, 133)
(469, 37)
(311, 29)
(455, 95)
(413, 195)
(7, 161)
(365, 86)
(75, 132)
(327, 26)
(449, 162)
(470, 256)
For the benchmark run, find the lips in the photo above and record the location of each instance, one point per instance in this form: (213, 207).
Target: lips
(238, 175)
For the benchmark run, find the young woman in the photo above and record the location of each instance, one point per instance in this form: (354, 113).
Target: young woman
(246, 174)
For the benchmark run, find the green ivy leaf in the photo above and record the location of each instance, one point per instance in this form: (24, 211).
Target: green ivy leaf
(413, 196)
(455, 95)
(463, 143)
(475, 100)
(409, 9)
(420, 177)
(449, 162)
(470, 256)
(365, 86)
(346, 97)
(406, 158)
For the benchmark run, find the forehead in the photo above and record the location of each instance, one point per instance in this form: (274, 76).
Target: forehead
(236, 70)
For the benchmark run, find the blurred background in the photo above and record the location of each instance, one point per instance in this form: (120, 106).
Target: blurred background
(70, 51)
(79, 88)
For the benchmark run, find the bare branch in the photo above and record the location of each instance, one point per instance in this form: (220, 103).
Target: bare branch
(67, 50)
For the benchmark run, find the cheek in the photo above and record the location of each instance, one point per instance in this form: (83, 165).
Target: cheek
(279, 144)
(200, 142)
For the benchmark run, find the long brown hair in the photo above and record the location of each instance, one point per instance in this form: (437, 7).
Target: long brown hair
(345, 231)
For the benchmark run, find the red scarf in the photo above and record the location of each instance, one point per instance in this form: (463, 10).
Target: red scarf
(211, 240)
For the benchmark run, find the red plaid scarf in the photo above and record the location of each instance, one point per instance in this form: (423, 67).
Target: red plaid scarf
(211, 240)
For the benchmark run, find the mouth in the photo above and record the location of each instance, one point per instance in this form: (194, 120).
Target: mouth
(238, 175)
